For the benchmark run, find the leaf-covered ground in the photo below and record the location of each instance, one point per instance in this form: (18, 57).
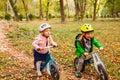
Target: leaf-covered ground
(16, 62)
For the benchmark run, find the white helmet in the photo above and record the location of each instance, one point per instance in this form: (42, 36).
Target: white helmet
(43, 26)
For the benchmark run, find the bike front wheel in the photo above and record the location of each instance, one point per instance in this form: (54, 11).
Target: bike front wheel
(54, 72)
(102, 72)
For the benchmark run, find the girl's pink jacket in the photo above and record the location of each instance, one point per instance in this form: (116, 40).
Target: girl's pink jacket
(41, 42)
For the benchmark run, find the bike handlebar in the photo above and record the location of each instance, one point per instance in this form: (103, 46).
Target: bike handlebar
(95, 52)
(48, 47)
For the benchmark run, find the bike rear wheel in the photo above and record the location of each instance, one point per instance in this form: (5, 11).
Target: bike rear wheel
(54, 72)
(103, 73)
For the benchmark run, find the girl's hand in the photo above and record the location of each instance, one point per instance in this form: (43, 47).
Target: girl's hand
(54, 45)
(40, 48)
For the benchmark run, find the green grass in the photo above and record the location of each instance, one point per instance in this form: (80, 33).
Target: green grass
(107, 32)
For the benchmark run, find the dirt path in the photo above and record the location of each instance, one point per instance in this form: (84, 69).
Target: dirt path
(6, 45)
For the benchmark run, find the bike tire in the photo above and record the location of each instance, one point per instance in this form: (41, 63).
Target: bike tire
(54, 72)
(103, 73)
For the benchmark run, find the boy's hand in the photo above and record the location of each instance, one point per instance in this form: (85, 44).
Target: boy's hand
(101, 49)
(86, 54)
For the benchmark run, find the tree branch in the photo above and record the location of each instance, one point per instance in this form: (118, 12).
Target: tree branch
(14, 2)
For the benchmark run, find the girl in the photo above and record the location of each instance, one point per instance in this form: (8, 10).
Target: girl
(41, 41)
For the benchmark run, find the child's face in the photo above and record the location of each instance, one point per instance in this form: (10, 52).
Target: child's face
(46, 32)
(88, 35)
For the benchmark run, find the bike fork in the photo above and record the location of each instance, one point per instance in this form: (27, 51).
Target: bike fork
(97, 61)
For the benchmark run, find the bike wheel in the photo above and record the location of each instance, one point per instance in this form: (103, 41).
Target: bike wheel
(76, 63)
(103, 73)
(54, 72)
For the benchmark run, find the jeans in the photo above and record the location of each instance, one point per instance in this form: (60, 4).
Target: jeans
(80, 64)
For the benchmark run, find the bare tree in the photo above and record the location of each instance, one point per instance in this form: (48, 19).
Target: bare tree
(68, 8)
(48, 2)
(8, 7)
(15, 10)
(82, 4)
(112, 8)
(26, 10)
(94, 14)
(62, 11)
(41, 15)
(77, 9)
(80, 7)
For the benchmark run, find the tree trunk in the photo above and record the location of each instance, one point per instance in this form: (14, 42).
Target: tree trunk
(26, 10)
(112, 9)
(68, 8)
(117, 14)
(41, 15)
(15, 10)
(62, 11)
(82, 9)
(7, 7)
(47, 11)
(94, 14)
(76, 9)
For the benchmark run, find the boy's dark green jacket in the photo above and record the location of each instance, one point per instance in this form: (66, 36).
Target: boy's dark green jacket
(80, 45)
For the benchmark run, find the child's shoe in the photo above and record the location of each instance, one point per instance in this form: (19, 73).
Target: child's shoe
(48, 72)
(78, 74)
(39, 73)
(48, 69)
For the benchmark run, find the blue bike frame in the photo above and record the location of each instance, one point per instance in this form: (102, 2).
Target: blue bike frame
(50, 60)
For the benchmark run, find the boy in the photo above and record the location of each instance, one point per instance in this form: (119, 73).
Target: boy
(84, 45)
(40, 52)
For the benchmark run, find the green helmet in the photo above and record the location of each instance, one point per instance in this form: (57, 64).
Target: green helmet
(86, 28)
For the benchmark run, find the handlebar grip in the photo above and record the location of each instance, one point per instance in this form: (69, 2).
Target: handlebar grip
(54, 46)
(38, 49)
